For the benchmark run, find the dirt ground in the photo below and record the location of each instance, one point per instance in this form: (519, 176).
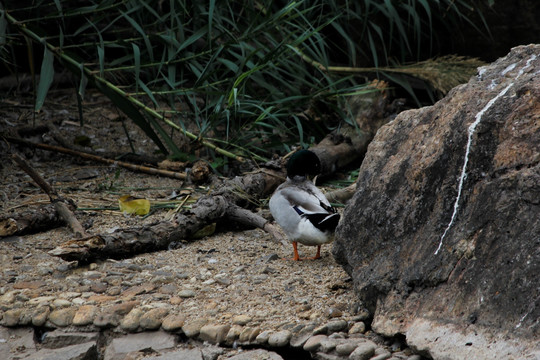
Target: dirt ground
(215, 278)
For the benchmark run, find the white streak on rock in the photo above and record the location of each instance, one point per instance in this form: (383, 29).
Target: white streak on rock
(472, 129)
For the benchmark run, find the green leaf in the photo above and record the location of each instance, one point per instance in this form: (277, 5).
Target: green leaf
(45, 78)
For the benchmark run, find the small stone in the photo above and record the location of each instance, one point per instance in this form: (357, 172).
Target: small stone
(334, 313)
(363, 351)
(9, 297)
(40, 315)
(336, 325)
(214, 334)
(123, 308)
(327, 345)
(223, 279)
(84, 315)
(193, 328)
(151, 320)
(60, 303)
(173, 322)
(313, 343)
(41, 300)
(268, 258)
(29, 284)
(346, 348)
(130, 322)
(62, 317)
(11, 317)
(233, 334)
(323, 329)
(106, 319)
(168, 289)
(114, 291)
(248, 335)
(279, 338)
(98, 287)
(415, 357)
(358, 328)
(299, 338)
(186, 293)
(241, 319)
(262, 338)
(138, 290)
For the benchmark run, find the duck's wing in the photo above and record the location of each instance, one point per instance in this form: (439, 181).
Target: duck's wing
(311, 204)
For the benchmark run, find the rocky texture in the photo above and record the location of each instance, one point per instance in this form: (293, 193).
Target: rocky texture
(74, 344)
(442, 238)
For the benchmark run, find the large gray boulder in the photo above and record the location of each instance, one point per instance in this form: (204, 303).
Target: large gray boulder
(442, 238)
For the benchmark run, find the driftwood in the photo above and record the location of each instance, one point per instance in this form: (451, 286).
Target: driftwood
(60, 204)
(226, 200)
(30, 221)
(59, 149)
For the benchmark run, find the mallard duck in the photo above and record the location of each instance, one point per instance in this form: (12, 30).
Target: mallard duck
(300, 208)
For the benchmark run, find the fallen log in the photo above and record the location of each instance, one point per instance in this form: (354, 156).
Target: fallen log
(123, 243)
(230, 200)
(29, 221)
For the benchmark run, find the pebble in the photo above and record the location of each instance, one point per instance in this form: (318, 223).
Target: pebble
(279, 338)
(106, 319)
(363, 351)
(358, 328)
(336, 325)
(346, 348)
(60, 303)
(214, 334)
(193, 328)
(41, 300)
(186, 293)
(152, 319)
(314, 342)
(40, 315)
(130, 322)
(62, 317)
(262, 338)
(233, 334)
(173, 322)
(249, 335)
(11, 317)
(85, 315)
(241, 319)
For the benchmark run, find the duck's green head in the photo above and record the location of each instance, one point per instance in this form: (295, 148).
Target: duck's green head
(303, 163)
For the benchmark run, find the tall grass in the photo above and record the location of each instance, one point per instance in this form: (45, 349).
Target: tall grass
(236, 76)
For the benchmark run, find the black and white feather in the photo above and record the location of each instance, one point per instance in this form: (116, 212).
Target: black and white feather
(300, 208)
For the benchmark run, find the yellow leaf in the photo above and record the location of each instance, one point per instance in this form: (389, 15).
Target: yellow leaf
(132, 205)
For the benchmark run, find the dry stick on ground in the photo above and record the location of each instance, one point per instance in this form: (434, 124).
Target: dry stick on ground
(30, 221)
(228, 201)
(59, 203)
(59, 149)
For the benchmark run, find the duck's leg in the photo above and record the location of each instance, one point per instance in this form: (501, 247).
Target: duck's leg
(318, 255)
(295, 248)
